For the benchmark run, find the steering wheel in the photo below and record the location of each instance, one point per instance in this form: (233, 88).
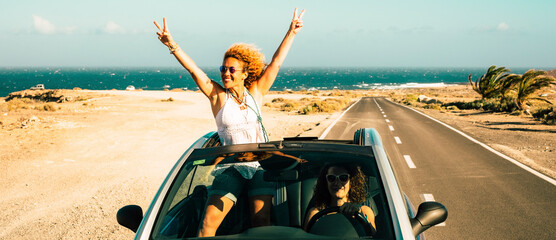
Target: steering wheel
(367, 226)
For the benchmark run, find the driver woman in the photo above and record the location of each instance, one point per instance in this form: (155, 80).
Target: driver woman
(341, 186)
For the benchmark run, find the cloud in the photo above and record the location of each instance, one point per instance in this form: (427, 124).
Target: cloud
(502, 26)
(43, 26)
(113, 28)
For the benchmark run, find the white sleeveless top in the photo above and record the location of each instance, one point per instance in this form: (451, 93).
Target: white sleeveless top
(238, 126)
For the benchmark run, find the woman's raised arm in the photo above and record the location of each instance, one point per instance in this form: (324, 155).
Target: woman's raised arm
(267, 79)
(205, 84)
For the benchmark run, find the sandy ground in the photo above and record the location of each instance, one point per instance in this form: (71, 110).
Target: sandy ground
(64, 174)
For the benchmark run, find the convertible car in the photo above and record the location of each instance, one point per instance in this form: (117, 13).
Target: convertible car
(293, 164)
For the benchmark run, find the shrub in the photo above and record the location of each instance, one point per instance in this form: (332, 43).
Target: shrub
(48, 107)
(546, 115)
(277, 100)
(327, 105)
(410, 98)
(307, 110)
(435, 106)
(289, 106)
(17, 103)
(495, 105)
(170, 99)
(508, 105)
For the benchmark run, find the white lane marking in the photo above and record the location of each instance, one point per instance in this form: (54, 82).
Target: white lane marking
(430, 198)
(398, 141)
(387, 120)
(521, 165)
(409, 162)
(391, 128)
(384, 115)
(335, 121)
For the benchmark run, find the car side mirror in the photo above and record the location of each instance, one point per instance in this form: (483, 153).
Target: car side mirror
(428, 215)
(130, 217)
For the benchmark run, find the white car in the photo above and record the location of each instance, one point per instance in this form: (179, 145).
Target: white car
(294, 165)
(37, 87)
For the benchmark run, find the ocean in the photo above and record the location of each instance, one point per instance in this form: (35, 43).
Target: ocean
(16, 79)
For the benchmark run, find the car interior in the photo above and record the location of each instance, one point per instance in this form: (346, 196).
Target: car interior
(295, 179)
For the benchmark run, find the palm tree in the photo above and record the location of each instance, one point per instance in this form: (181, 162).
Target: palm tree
(508, 83)
(529, 83)
(488, 85)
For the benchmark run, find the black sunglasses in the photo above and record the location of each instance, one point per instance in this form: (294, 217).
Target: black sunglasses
(332, 178)
(232, 69)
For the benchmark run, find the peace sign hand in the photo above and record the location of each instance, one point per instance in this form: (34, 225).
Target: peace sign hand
(164, 34)
(297, 23)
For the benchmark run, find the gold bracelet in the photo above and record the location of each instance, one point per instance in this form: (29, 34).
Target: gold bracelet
(173, 47)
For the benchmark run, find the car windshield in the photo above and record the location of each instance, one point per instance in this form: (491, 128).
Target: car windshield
(294, 173)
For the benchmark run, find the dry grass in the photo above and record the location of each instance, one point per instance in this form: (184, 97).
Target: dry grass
(309, 105)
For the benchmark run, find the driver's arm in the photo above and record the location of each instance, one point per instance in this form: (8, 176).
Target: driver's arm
(369, 215)
(310, 215)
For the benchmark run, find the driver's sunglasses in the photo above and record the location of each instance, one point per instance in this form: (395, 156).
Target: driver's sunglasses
(232, 69)
(332, 178)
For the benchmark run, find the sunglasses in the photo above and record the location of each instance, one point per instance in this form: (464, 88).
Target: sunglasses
(332, 178)
(232, 69)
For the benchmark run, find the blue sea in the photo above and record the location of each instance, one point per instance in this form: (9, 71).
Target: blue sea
(16, 79)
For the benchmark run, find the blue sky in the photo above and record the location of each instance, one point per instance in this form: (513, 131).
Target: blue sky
(366, 33)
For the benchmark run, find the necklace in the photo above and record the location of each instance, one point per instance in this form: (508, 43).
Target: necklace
(243, 105)
(240, 102)
(257, 112)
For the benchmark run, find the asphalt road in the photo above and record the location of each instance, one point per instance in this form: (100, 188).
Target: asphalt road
(487, 196)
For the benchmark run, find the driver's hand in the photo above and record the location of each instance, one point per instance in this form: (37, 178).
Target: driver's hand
(350, 208)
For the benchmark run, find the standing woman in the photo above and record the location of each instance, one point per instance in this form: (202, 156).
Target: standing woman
(235, 106)
(244, 77)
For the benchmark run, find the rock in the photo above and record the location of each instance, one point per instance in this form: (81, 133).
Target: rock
(425, 99)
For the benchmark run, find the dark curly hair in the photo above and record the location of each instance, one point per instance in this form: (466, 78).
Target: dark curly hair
(357, 190)
(251, 56)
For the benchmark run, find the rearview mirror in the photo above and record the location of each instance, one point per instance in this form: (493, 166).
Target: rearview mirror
(428, 215)
(130, 217)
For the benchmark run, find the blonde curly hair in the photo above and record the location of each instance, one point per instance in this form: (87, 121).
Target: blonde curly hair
(252, 57)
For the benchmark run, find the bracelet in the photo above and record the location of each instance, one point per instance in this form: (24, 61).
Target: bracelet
(173, 47)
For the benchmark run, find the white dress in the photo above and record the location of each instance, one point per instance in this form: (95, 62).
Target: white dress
(238, 124)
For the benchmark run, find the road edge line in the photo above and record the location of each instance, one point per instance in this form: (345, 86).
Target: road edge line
(335, 121)
(519, 164)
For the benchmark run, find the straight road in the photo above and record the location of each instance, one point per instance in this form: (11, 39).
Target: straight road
(487, 196)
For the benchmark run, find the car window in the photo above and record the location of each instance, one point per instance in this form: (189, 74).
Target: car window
(182, 207)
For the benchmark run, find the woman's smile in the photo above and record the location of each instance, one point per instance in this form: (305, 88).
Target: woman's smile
(338, 189)
(232, 73)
